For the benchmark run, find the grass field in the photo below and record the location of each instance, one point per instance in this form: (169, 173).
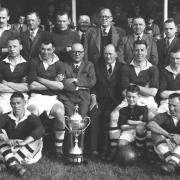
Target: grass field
(50, 169)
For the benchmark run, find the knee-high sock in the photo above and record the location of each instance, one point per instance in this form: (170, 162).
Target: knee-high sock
(59, 138)
(5, 150)
(148, 143)
(140, 140)
(114, 134)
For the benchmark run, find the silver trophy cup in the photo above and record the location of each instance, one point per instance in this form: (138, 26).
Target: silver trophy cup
(76, 125)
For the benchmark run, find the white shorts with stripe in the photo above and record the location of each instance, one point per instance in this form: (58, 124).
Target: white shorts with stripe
(128, 135)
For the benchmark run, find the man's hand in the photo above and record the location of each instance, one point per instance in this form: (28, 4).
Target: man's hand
(176, 138)
(93, 102)
(12, 142)
(114, 116)
(59, 77)
(68, 49)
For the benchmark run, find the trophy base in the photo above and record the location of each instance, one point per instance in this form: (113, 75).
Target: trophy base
(76, 159)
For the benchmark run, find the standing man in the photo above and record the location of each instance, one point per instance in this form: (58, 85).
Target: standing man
(63, 37)
(99, 37)
(32, 38)
(107, 95)
(22, 143)
(165, 129)
(44, 91)
(5, 31)
(13, 74)
(125, 48)
(84, 24)
(168, 43)
(20, 26)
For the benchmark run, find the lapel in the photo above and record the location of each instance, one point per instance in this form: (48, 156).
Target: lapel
(104, 72)
(130, 39)
(114, 71)
(36, 38)
(27, 40)
(173, 43)
(114, 36)
(97, 38)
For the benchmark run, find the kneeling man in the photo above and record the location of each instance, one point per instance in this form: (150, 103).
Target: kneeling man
(21, 143)
(165, 129)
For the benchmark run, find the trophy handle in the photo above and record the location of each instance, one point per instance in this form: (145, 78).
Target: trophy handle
(66, 120)
(89, 121)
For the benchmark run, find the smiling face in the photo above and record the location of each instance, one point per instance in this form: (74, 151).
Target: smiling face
(46, 51)
(105, 18)
(33, 21)
(140, 52)
(77, 52)
(132, 98)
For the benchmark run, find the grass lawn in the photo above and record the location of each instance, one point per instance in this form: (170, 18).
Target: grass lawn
(49, 169)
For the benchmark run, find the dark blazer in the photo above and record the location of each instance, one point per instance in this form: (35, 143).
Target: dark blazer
(31, 49)
(93, 45)
(163, 52)
(125, 49)
(86, 78)
(108, 87)
(16, 27)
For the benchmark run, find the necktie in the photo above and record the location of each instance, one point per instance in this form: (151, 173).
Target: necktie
(138, 38)
(167, 44)
(110, 70)
(32, 35)
(76, 69)
(83, 38)
(105, 33)
(20, 29)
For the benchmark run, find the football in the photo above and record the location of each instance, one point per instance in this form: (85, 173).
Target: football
(127, 155)
(69, 85)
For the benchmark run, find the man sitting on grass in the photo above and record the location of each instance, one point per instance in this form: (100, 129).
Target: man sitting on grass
(131, 123)
(165, 129)
(21, 143)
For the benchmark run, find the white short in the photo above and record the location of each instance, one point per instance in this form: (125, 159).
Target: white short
(142, 101)
(163, 107)
(5, 101)
(128, 135)
(43, 102)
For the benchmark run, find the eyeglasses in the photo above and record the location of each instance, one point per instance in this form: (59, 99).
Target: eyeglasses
(77, 52)
(106, 17)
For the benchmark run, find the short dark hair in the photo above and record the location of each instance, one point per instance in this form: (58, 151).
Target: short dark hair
(170, 20)
(140, 42)
(33, 12)
(133, 88)
(11, 38)
(47, 41)
(174, 95)
(174, 50)
(17, 95)
(61, 13)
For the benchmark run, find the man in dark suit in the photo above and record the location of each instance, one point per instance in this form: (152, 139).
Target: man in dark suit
(107, 94)
(32, 38)
(99, 37)
(20, 26)
(168, 43)
(125, 47)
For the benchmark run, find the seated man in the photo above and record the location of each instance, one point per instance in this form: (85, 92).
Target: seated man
(169, 80)
(44, 91)
(13, 74)
(22, 141)
(165, 129)
(79, 78)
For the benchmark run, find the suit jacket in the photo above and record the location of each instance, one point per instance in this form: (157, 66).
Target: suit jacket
(31, 49)
(163, 52)
(16, 27)
(125, 49)
(85, 78)
(108, 88)
(93, 45)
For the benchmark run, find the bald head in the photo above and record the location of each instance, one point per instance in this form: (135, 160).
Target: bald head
(77, 52)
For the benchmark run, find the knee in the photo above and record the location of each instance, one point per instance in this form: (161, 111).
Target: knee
(34, 110)
(114, 116)
(122, 143)
(156, 138)
(140, 130)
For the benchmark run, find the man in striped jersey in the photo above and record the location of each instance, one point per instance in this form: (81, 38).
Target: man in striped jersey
(165, 129)
(21, 143)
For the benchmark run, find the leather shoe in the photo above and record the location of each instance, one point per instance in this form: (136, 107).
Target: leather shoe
(168, 168)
